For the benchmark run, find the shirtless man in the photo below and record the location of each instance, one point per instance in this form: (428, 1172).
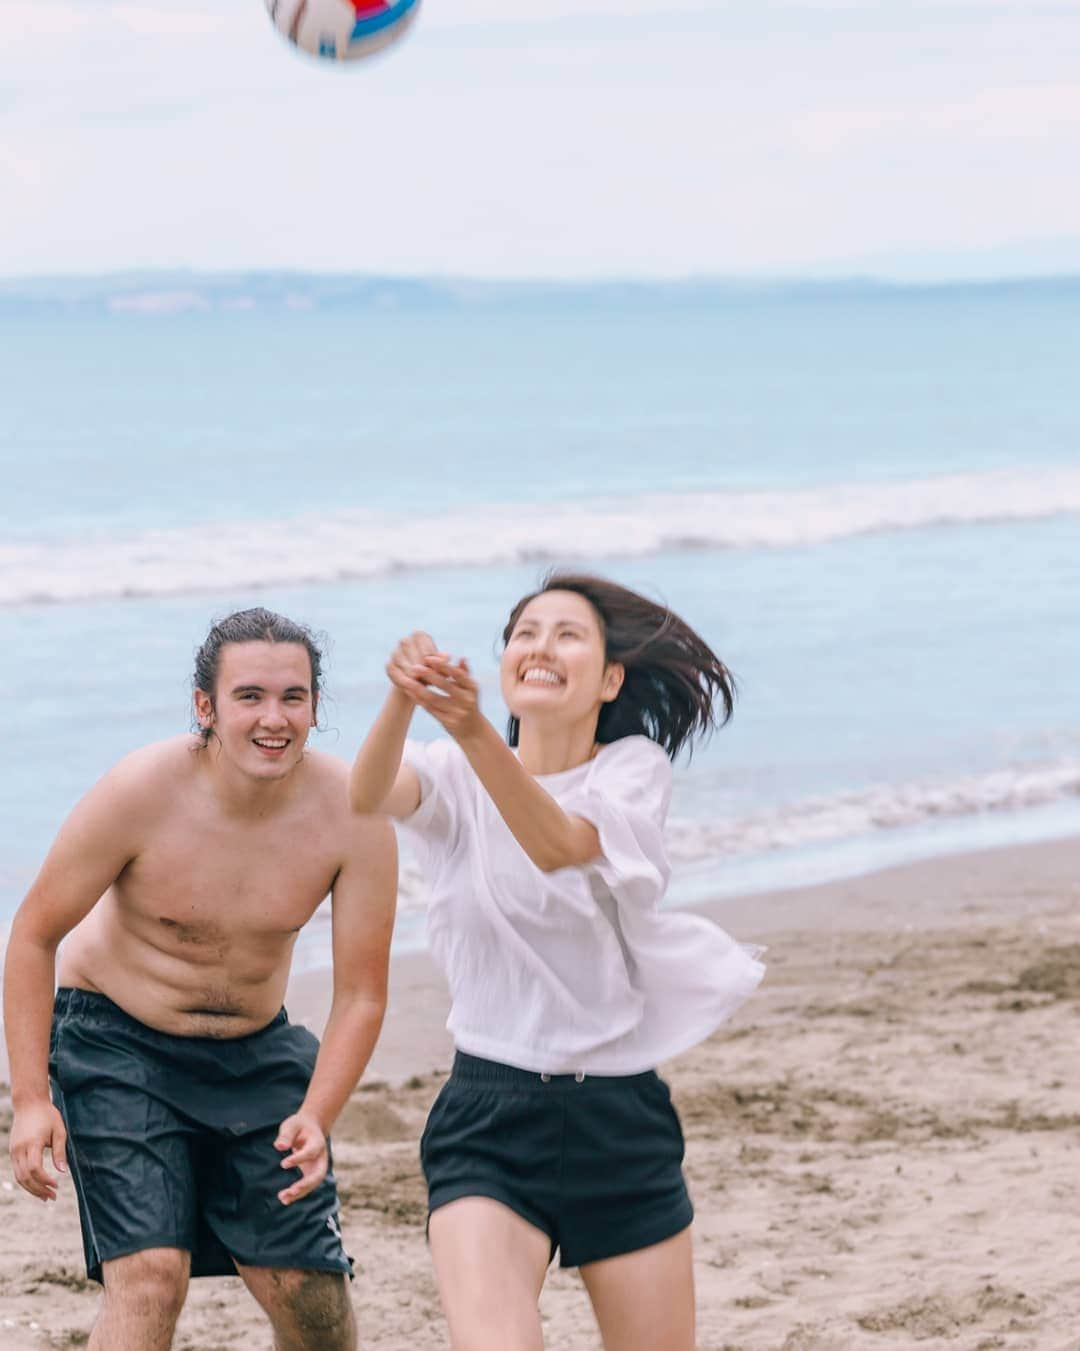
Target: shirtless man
(192, 1115)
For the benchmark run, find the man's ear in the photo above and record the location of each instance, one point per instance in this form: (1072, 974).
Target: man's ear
(204, 710)
(613, 681)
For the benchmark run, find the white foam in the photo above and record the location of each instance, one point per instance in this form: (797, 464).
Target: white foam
(337, 546)
(818, 820)
(822, 820)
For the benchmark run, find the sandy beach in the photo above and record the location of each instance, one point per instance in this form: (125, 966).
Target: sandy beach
(883, 1148)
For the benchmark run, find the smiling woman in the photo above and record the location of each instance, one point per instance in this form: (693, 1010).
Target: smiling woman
(567, 982)
(668, 696)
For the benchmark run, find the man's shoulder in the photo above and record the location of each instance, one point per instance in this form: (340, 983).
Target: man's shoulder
(158, 761)
(357, 834)
(146, 780)
(327, 779)
(135, 793)
(326, 791)
(326, 768)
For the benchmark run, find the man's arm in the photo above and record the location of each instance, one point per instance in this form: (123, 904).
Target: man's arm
(364, 898)
(93, 847)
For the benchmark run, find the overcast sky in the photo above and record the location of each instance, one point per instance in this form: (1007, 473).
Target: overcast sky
(546, 138)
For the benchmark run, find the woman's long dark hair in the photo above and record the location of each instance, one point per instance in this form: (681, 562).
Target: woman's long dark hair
(676, 688)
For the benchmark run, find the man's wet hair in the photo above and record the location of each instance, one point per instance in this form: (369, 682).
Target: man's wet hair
(252, 626)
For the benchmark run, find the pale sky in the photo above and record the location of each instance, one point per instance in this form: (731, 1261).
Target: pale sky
(546, 138)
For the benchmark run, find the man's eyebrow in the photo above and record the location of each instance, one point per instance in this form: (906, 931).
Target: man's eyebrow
(261, 689)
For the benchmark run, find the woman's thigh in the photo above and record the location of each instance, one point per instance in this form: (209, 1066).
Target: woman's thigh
(490, 1265)
(644, 1300)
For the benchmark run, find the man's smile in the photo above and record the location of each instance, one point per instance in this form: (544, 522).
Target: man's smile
(272, 745)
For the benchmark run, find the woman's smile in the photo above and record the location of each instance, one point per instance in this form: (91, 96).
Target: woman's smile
(541, 675)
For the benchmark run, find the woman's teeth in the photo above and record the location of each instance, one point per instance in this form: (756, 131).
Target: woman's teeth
(535, 676)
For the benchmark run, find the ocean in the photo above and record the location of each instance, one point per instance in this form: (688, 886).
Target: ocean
(867, 498)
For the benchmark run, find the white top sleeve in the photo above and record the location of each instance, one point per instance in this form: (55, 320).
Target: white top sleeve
(434, 825)
(626, 797)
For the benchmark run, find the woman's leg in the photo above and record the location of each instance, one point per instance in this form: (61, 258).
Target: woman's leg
(490, 1264)
(644, 1300)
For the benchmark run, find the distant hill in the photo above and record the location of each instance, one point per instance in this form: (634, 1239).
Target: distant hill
(186, 292)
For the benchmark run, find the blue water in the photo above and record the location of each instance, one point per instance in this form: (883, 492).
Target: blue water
(900, 687)
(133, 421)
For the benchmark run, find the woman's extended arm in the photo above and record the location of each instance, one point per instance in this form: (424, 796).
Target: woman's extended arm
(379, 782)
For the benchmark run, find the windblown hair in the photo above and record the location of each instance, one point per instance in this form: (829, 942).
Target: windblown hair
(251, 626)
(676, 689)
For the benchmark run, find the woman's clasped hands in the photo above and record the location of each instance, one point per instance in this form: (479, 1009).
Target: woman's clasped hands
(434, 681)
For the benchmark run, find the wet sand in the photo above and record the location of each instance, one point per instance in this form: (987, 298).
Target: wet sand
(883, 1147)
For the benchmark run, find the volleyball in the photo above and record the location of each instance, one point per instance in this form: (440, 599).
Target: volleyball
(342, 30)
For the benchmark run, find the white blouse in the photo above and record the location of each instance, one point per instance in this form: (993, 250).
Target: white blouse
(578, 969)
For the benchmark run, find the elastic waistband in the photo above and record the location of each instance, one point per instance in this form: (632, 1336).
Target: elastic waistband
(89, 1006)
(88, 1003)
(492, 1074)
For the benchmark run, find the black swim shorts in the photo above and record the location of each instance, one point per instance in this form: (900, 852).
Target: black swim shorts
(594, 1162)
(171, 1141)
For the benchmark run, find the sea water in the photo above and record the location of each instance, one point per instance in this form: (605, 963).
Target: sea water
(867, 500)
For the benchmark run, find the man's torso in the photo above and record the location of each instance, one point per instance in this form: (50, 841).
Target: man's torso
(196, 934)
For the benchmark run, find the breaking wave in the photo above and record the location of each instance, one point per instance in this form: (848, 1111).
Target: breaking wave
(346, 545)
(820, 820)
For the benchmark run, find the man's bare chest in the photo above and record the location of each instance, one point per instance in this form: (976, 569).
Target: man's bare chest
(209, 890)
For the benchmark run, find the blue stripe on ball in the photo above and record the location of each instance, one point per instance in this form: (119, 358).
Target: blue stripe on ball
(366, 27)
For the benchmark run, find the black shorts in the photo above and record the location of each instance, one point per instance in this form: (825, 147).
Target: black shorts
(171, 1141)
(596, 1162)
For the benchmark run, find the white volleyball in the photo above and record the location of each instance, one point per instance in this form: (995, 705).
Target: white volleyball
(342, 30)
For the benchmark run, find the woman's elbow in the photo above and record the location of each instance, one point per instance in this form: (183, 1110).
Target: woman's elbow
(573, 856)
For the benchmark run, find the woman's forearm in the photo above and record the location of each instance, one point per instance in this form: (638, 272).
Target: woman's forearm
(378, 760)
(551, 838)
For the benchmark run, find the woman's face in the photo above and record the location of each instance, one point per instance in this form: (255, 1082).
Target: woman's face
(553, 666)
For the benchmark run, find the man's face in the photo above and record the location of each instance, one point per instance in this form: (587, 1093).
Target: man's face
(263, 706)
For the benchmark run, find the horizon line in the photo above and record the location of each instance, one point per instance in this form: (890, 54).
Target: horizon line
(881, 279)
